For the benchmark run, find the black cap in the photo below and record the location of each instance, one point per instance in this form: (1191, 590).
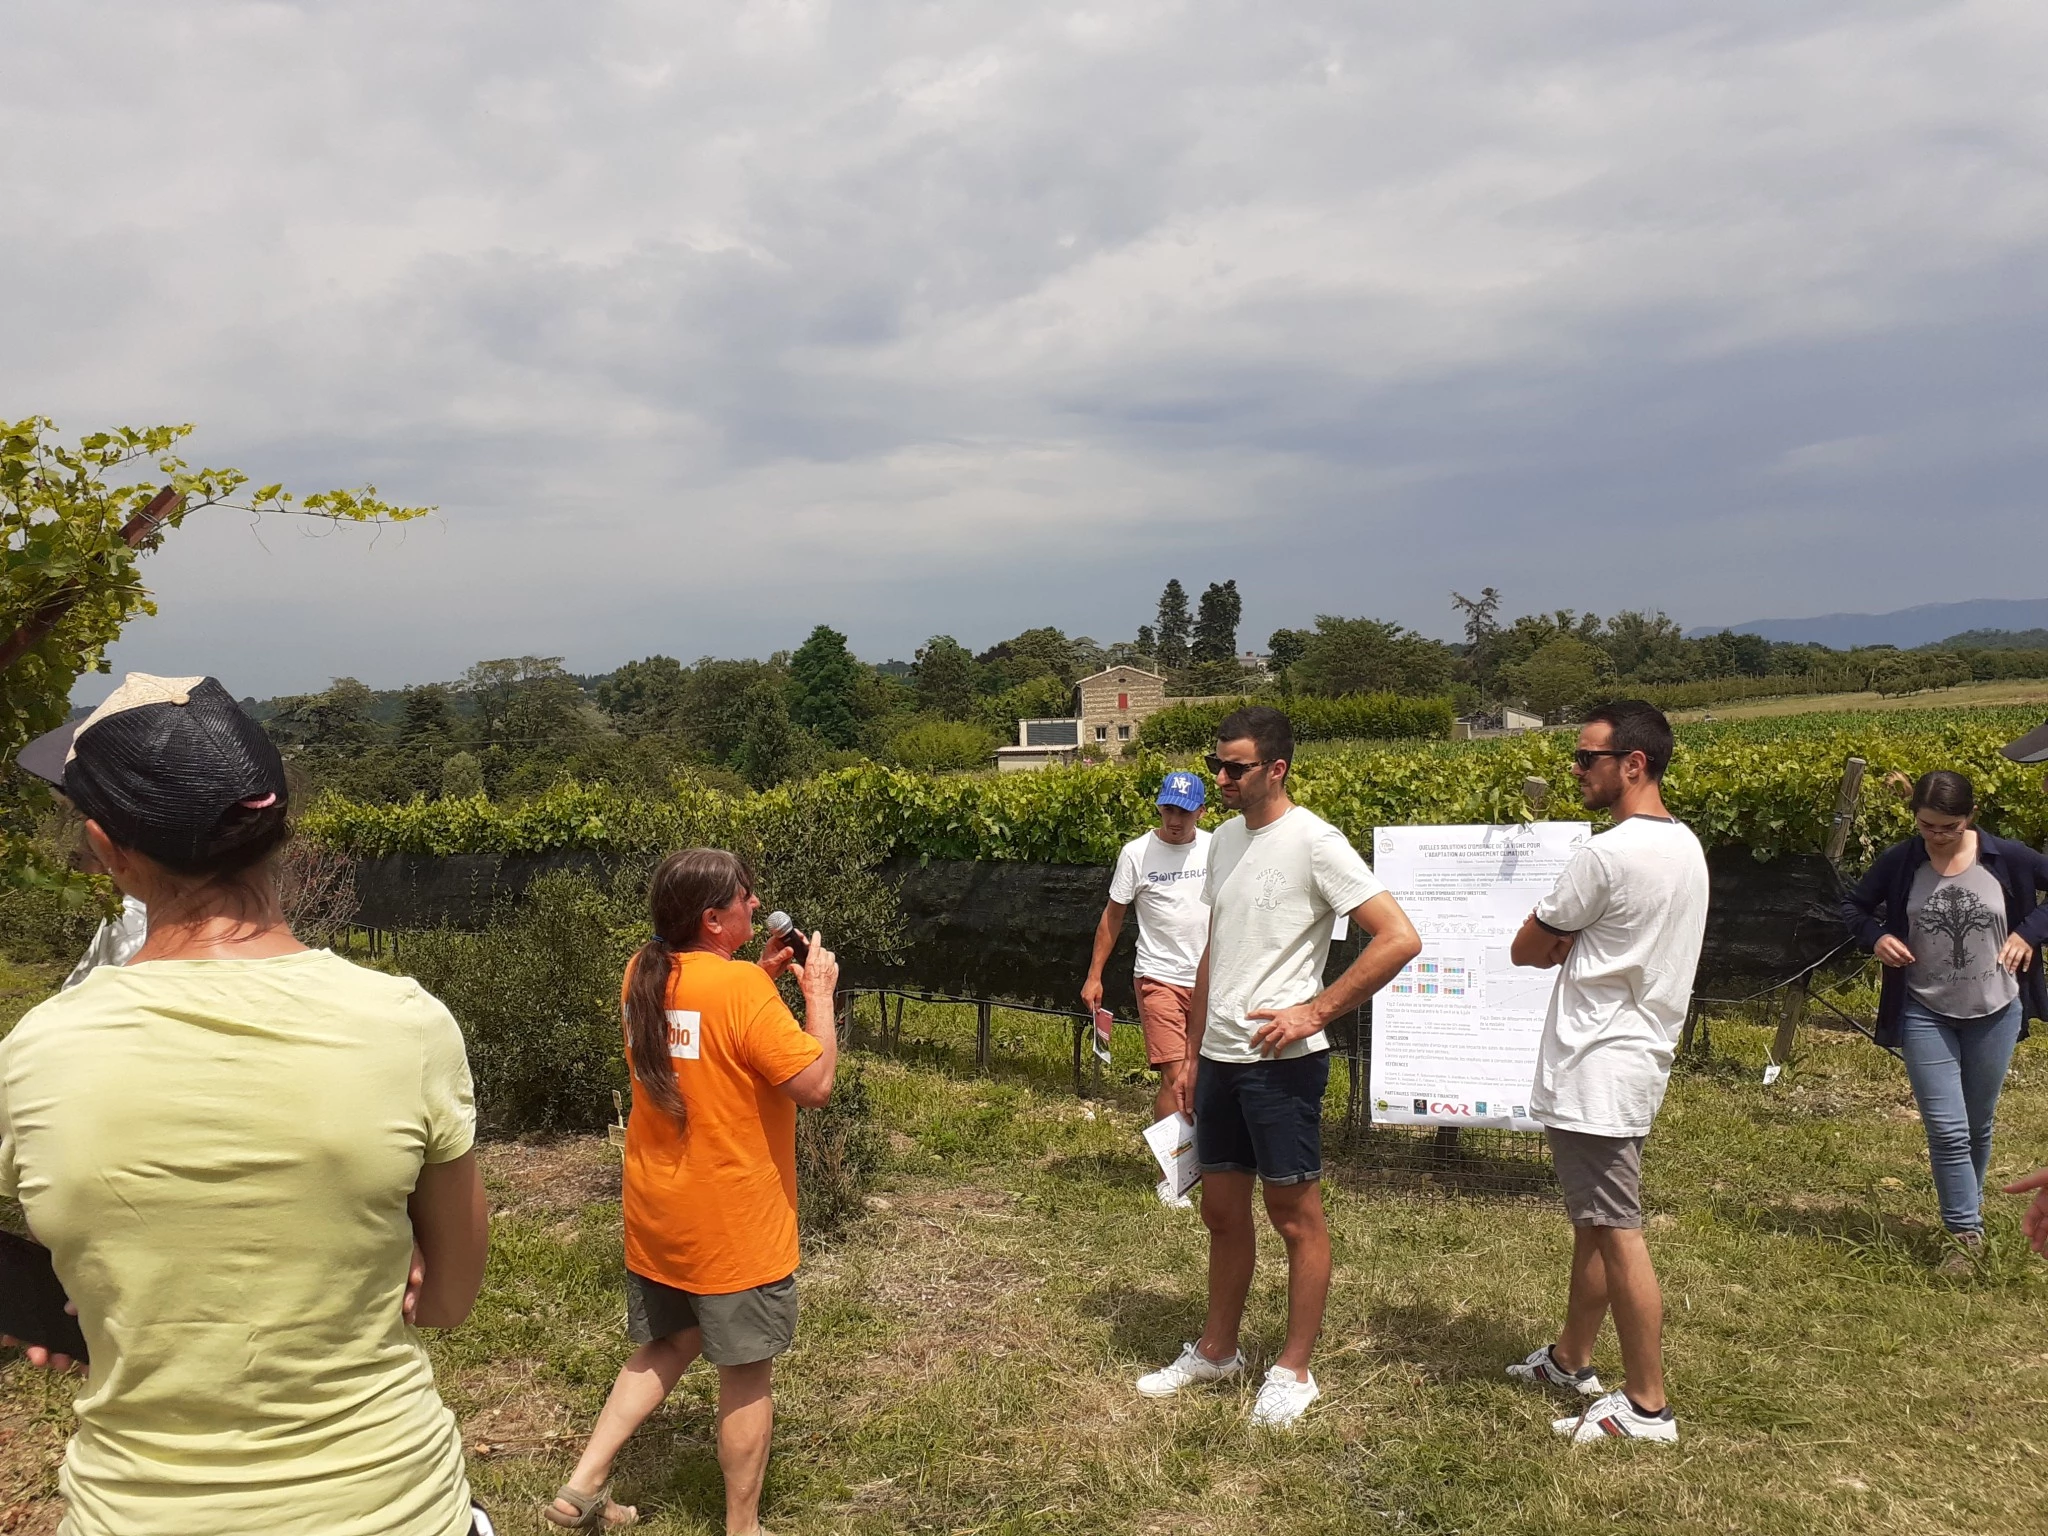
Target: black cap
(2030, 748)
(168, 766)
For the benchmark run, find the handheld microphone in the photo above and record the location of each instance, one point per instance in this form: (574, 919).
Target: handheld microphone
(782, 926)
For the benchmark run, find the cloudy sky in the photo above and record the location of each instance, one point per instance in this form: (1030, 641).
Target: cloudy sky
(704, 323)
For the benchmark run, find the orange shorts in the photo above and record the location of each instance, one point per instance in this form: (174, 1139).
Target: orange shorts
(1163, 1015)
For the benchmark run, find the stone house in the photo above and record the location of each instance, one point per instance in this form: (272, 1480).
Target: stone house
(1113, 701)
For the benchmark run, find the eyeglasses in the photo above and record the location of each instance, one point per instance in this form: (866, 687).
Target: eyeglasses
(1224, 768)
(1585, 757)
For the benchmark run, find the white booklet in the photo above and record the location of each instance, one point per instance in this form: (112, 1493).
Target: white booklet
(1172, 1141)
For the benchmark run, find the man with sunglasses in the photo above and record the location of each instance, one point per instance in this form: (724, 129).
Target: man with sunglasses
(1259, 1063)
(1624, 923)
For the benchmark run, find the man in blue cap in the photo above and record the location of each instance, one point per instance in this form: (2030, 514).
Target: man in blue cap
(1161, 873)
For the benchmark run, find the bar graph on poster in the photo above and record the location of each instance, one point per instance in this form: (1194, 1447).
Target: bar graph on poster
(1454, 1035)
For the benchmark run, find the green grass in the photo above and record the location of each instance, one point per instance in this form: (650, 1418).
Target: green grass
(967, 1347)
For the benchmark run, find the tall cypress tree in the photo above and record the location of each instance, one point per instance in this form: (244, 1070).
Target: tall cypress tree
(1173, 625)
(824, 687)
(1216, 623)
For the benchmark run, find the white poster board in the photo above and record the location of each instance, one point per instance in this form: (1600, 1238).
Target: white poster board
(1454, 1035)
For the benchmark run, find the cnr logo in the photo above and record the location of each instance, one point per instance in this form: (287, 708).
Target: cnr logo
(1449, 1109)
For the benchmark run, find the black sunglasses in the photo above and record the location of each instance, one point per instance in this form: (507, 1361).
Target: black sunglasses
(1224, 768)
(1585, 757)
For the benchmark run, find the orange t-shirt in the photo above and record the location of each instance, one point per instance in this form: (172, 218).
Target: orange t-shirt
(710, 1204)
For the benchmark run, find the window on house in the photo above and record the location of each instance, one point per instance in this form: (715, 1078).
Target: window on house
(1123, 701)
(1102, 733)
(1123, 733)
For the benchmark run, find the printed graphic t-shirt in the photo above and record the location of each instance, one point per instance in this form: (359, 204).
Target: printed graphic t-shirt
(1636, 897)
(710, 1204)
(1272, 895)
(1164, 881)
(219, 1154)
(1956, 926)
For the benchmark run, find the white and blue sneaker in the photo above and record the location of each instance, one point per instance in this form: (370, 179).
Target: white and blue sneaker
(1614, 1417)
(1542, 1370)
(1193, 1368)
(1284, 1398)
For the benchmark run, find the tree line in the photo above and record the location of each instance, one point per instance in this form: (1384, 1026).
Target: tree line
(513, 726)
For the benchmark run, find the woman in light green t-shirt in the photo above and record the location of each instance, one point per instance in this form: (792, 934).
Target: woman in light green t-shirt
(252, 1165)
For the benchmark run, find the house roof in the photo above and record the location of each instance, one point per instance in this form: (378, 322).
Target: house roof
(1156, 677)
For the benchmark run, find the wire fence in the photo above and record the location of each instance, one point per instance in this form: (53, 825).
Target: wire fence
(1052, 1049)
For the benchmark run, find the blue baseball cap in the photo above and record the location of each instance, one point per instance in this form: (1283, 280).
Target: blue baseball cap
(1182, 789)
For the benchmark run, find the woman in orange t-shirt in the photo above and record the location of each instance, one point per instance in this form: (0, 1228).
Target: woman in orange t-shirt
(719, 1067)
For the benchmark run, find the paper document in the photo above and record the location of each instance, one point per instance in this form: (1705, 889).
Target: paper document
(1172, 1141)
(1455, 1034)
(1104, 1022)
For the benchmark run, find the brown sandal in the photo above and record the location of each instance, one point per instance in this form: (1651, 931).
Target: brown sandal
(591, 1509)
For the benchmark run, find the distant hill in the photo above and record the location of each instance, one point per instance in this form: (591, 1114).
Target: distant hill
(1998, 640)
(1906, 628)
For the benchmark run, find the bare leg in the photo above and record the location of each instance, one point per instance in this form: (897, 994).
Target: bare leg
(746, 1426)
(1297, 1214)
(1167, 1100)
(1233, 1252)
(1587, 1308)
(1638, 1306)
(648, 1376)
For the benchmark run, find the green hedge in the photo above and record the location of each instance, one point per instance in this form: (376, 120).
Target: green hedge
(1765, 785)
(1354, 717)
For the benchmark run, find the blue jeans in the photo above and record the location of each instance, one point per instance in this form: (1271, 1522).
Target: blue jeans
(1956, 1067)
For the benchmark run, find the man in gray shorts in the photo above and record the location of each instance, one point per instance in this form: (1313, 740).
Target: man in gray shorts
(1624, 924)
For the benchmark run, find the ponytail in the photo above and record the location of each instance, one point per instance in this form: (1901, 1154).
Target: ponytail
(654, 1070)
(685, 886)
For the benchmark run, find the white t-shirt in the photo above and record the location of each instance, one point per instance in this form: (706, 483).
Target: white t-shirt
(1636, 897)
(1164, 881)
(1272, 894)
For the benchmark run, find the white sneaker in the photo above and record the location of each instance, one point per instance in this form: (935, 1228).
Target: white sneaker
(1614, 1417)
(1167, 1197)
(1542, 1370)
(1192, 1368)
(1283, 1399)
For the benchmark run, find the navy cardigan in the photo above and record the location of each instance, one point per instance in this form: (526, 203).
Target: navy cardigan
(2019, 871)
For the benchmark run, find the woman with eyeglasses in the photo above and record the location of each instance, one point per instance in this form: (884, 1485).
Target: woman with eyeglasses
(1951, 915)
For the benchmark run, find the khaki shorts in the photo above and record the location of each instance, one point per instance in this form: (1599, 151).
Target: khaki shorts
(1163, 1015)
(739, 1328)
(1601, 1176)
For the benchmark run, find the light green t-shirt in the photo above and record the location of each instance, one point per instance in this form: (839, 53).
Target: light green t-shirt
(218, 1154)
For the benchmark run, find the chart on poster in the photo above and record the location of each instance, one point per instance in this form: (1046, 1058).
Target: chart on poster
(1454, 1035)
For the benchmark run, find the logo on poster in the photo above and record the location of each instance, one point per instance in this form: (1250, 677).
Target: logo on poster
(1422, 1106)
(685, 1033)
(1437, 1107)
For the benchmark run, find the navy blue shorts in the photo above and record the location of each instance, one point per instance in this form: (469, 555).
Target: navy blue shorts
(1263, 1117)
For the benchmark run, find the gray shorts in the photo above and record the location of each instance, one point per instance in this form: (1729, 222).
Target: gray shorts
(739, 1328)
(1601, 1176)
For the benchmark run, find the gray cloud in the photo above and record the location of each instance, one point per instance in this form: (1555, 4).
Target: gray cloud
(704, 323)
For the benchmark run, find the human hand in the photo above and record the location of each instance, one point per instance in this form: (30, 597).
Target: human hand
(818, 975)
(47, 1360)
(778, 954)
(2035, 1222)
(2016, 954)
(415, 1277)
(1892, 952)
(1091, 993)
(1283, 1027)
(1184, 1092)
